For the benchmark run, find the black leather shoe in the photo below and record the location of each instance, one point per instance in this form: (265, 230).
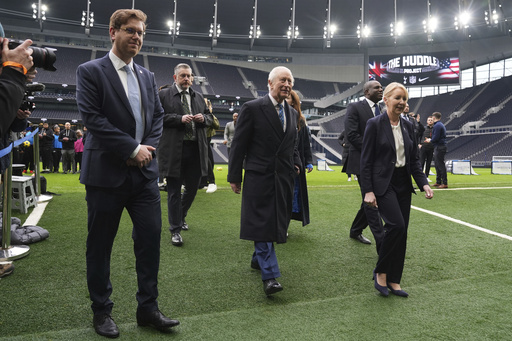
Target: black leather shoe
(255, 265)
(155, 319)
(185, 226)
(176, 239)
(362, 239)
(104, 325)
(271, 286)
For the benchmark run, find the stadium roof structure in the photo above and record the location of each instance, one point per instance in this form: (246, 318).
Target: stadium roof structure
(284, 25)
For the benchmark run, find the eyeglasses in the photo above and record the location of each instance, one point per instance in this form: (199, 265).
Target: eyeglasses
(132, 31)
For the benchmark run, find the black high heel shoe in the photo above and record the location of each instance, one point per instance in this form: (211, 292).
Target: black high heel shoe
(380, 288)
(400, 292)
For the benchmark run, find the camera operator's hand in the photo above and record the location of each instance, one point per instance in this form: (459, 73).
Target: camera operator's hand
(31, 74)
(22, 114)
(21, 54)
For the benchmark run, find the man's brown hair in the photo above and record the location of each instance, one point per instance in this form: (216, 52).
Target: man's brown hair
(121, 16)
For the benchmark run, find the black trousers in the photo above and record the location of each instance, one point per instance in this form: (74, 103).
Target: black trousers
(46, 156)
(190, 175)
(394, 207)
(211, 175)
(368, 216)
(426, 155)
(141, 198)
(441, 176)
(56, 155)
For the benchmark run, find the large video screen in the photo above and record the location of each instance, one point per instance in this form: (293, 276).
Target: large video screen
(420, 69)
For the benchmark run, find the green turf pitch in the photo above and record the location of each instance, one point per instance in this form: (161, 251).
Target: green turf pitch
(459, 278)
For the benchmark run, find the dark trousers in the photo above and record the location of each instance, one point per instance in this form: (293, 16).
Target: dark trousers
(78, 161)
(211, 175)
(68, 160)
(28, 158)
(56, 155)
(265, 255)
(441, 177)
(141, 198)
(368, 216)
(190, 175)
(394, 207)
(426, 155)
(46, 156)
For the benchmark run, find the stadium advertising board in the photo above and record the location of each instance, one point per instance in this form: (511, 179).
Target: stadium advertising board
(420, 69)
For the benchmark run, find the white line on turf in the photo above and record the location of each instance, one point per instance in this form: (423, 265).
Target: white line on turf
(501, 235)
(36, 214)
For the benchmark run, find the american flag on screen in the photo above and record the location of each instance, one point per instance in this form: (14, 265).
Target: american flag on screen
(449, 68)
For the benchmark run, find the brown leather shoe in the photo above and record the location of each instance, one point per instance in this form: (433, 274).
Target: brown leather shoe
(442, 186)
(436, 185)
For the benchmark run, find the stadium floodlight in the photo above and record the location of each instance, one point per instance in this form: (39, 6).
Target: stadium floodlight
(214, 30)
(329, 32)
(399, 28)
(174, 28)
(465, 19)
(366, 31)
(254, 33)
(292, 33)
(430, 25)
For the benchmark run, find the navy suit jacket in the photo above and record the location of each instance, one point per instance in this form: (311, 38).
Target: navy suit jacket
(378, 156)
(107, 114)
(357, 115)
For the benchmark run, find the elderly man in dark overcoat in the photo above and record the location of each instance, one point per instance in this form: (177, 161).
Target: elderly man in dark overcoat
(265, 138)
(183, 152)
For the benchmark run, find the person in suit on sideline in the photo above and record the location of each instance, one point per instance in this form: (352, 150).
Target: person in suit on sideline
(183, 152)
(389, 158)
(358, 113)
(229, 132)
(119, 104)
(265, 137)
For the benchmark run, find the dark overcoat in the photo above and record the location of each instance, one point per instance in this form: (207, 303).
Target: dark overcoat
(358, 113)
(270, 156)
(171, 143)
(304, 148)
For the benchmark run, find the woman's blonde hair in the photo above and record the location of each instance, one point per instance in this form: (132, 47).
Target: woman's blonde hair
(392, 87)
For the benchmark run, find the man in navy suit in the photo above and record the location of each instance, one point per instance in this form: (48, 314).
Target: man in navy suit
(265, 145)
(358, 114)
(119, 170)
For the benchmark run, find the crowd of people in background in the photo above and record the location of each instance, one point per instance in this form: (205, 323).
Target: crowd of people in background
(51, 148)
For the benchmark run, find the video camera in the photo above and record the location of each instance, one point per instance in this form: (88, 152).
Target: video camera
(30, 90)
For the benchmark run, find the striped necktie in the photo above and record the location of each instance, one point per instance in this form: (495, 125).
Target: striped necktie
(134, 98)
(281, 114)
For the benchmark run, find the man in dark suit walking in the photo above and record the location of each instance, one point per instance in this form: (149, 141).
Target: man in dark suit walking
(119, 104)
(183, 155)
(358, 114)
(265, 138)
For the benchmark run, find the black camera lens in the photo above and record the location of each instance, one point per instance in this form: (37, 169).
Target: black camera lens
(42, 57)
